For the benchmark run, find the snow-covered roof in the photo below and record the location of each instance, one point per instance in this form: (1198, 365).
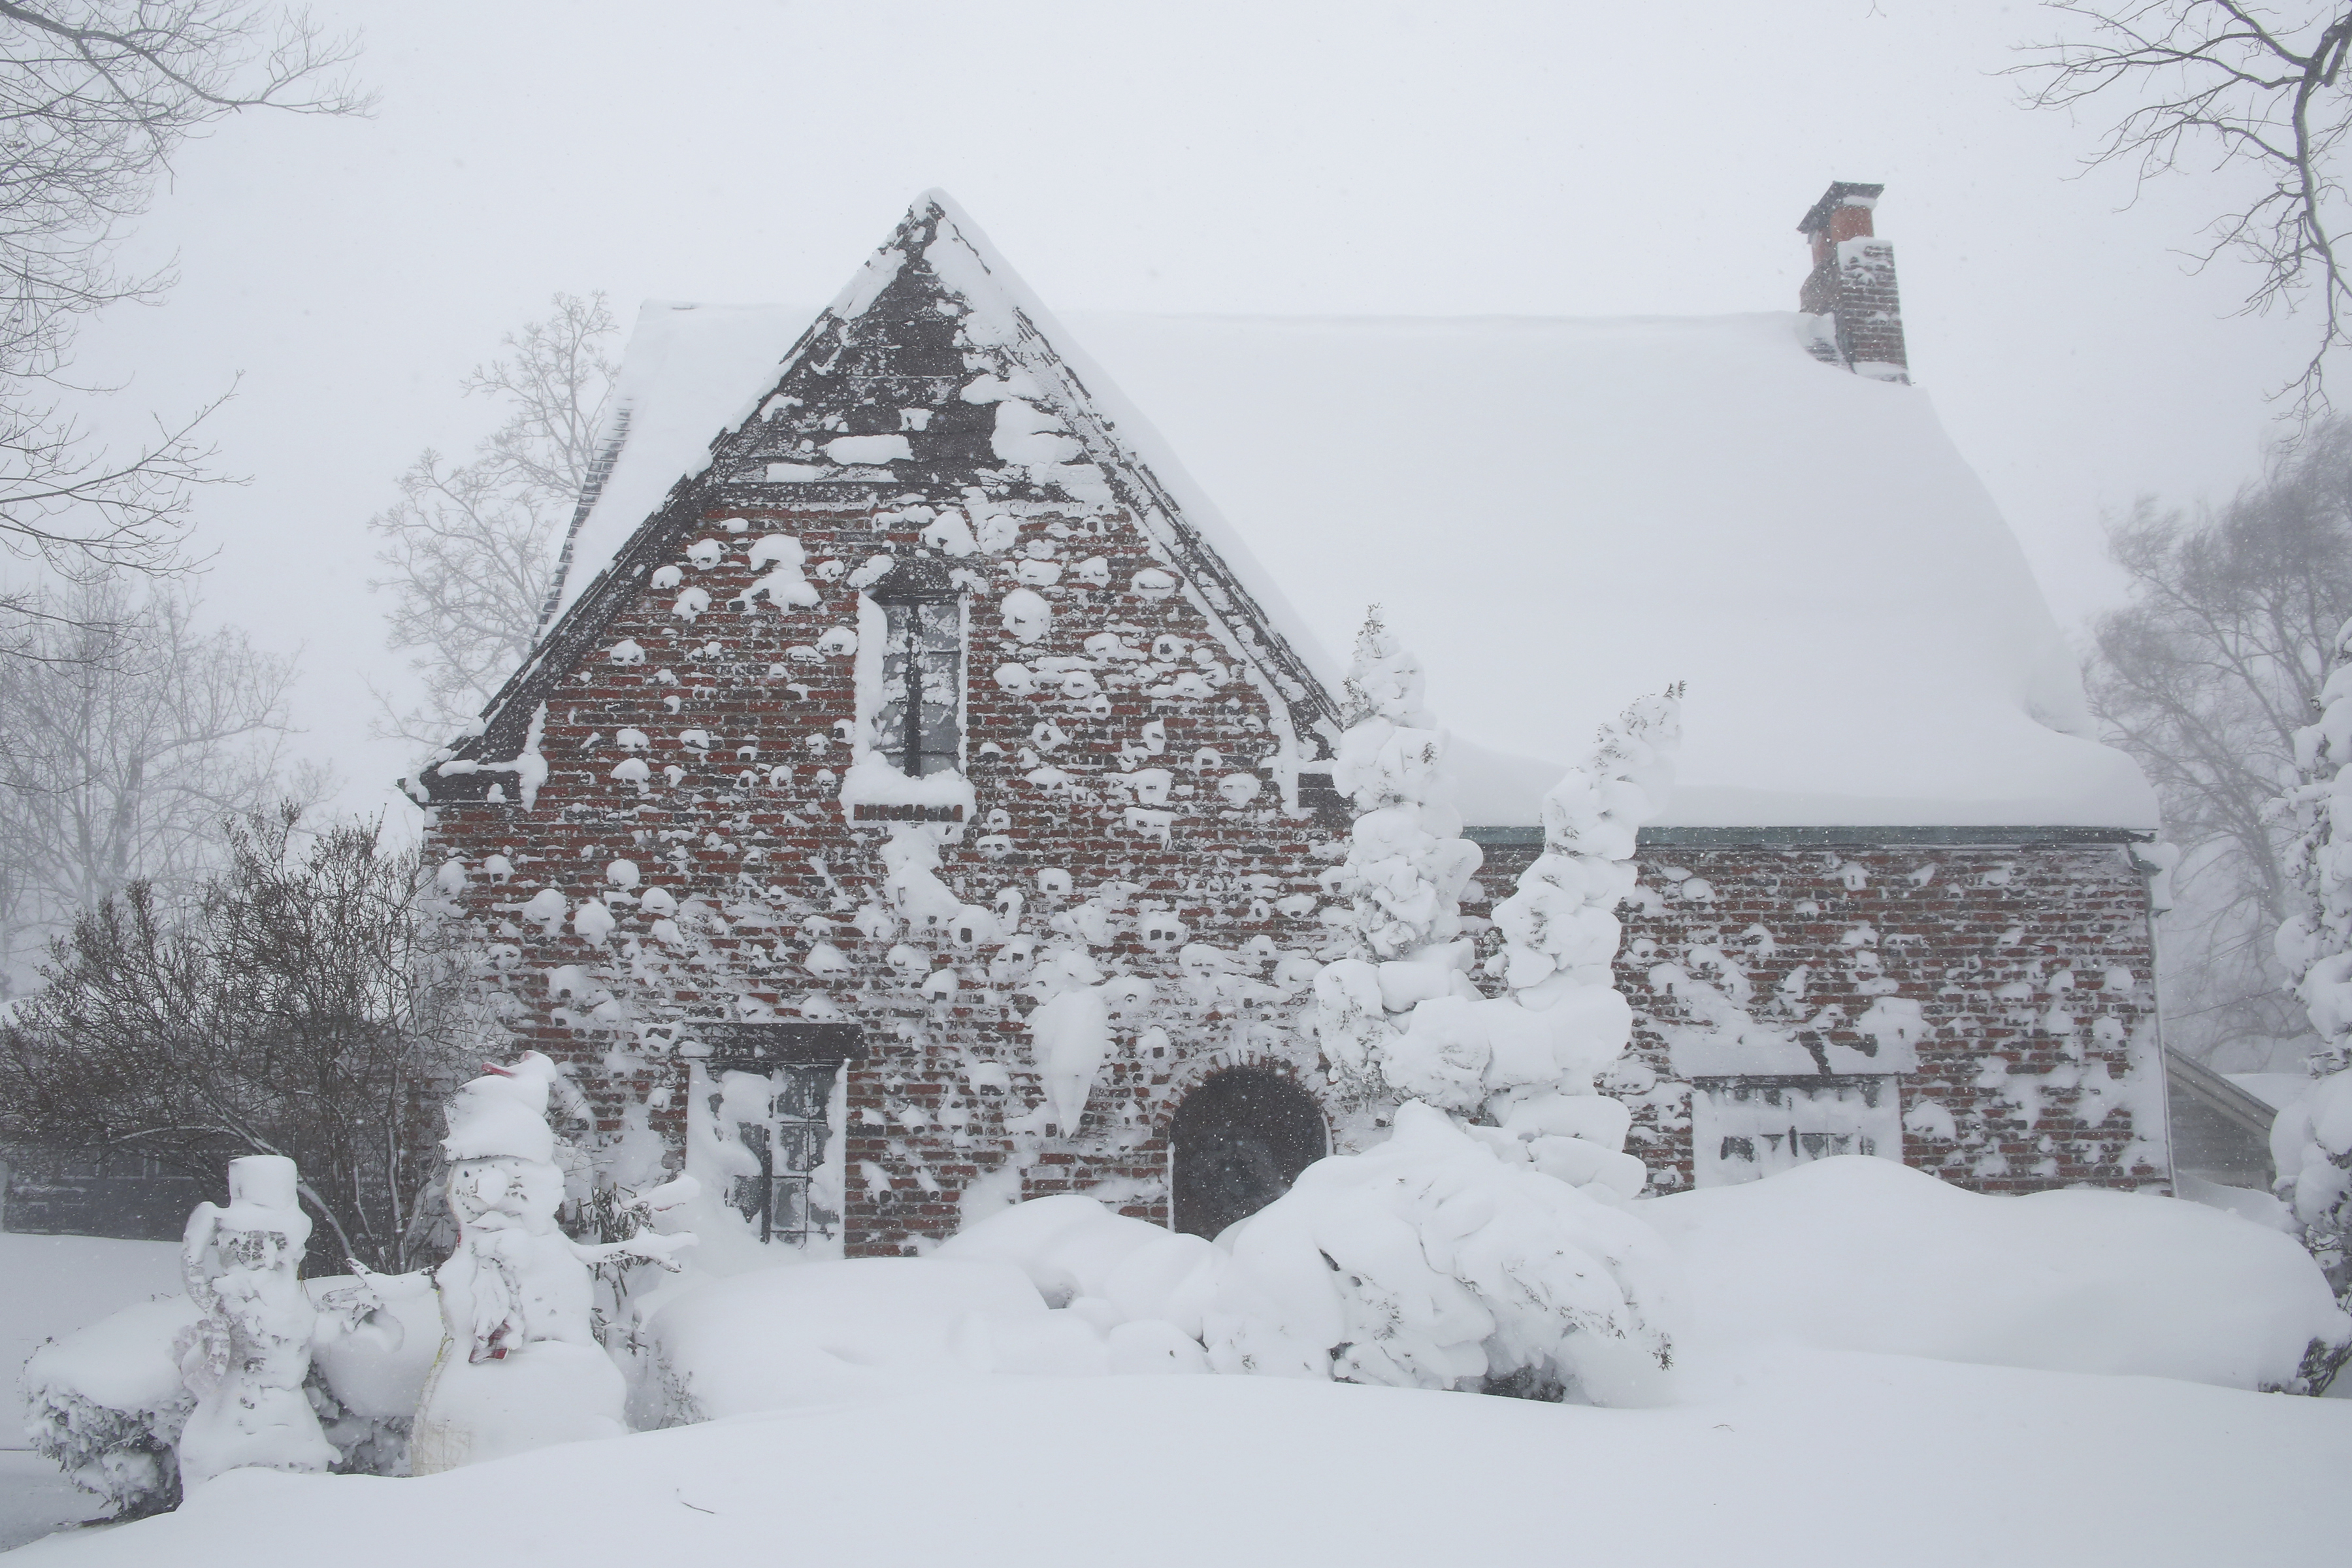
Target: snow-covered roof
(1560, 515)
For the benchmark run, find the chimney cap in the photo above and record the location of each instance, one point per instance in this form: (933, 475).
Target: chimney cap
(1841, 193)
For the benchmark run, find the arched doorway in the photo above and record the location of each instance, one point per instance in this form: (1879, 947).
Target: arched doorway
(1238, 1142)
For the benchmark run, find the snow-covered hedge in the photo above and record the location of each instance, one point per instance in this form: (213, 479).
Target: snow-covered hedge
(1431, 1262)
(107, 1404)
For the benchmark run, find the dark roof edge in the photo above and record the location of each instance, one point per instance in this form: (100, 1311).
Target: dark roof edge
(1830, 837)
(506, 718)
(2202, 1083)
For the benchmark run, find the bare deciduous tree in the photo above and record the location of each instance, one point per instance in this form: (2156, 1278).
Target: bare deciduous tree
(2204, 679)
(2221, 83)
(472, 549)
(95, 98)
(310, 1003)
(131, 737)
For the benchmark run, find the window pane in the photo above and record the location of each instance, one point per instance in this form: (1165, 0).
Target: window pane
(940, 625)
(790, 1211)
(925, 642)
(803, 1092)
(800, 1145)
(743, 1193)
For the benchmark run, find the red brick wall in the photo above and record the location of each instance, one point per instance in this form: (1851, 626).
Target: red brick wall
(2009, 953)
(752, 854)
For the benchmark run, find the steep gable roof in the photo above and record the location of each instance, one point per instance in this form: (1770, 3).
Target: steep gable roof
(1560, 514)
(934, 369)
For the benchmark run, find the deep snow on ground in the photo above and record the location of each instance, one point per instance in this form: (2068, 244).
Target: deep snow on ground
(1811, 1423)
(1861, 1254)
(52, 1285)
(1796, 1456)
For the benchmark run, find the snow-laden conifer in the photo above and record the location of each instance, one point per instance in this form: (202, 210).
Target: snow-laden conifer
(1362, 1271)
(2311, 1142)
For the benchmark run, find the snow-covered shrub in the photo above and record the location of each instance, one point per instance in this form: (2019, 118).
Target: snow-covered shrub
(1109, 1269)
(2311, 1140)
(1863, 1254)
(373, 1346)
(813, 1333)
(107, 1404)
(1431, 1261)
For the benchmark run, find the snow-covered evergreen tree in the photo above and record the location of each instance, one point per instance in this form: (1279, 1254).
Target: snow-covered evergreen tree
(2311, 1142)
(1561, 935)
(247, 1356)
(1498, 1112)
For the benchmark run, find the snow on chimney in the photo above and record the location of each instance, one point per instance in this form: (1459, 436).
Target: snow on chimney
(1851, 287)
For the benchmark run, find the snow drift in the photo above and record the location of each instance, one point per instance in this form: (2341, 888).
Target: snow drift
(1860, 1254)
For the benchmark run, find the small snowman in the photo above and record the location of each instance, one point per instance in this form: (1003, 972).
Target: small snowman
(247, 1356)
(520, 1366)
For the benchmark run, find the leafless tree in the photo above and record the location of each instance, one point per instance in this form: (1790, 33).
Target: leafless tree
(2204, 677)
(2213, 84)
(95, 98)
(127, 739)
(310, 1004)
(472, 549)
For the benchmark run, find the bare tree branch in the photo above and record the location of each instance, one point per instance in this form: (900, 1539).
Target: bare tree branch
(471, 549)
(2213, 84)
(132, 739)
(96, 96)
(2204, 677)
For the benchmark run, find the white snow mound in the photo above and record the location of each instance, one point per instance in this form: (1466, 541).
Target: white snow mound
(1861, 1254)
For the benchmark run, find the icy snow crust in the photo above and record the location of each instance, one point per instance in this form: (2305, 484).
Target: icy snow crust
(1569, 511)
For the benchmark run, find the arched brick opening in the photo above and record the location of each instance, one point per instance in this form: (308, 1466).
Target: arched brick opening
(1236, 1143)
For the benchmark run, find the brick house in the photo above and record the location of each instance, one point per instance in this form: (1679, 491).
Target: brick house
(898, 661)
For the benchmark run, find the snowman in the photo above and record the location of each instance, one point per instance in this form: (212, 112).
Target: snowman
(520, 1366)
(247, 1356)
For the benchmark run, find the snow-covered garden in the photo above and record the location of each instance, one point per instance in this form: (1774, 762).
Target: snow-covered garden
(1471, 1328)
(1867, 1362)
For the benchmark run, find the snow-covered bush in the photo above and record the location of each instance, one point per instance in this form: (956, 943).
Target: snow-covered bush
(107, 1404)
(2311, 1140)
(1431, 1261)
(1858, 1253)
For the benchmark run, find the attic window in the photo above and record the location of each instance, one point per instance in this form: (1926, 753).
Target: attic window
(918, 726)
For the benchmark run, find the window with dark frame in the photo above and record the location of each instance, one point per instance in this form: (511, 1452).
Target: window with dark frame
(919, 728)
(790, 1146)
(801, 1062)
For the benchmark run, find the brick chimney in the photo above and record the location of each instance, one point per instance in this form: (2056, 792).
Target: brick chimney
(1851, 286)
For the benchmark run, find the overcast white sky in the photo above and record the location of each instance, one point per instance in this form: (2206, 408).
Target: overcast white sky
(1570, 158)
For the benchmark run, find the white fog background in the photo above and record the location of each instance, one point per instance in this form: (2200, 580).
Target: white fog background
(1564, 159)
